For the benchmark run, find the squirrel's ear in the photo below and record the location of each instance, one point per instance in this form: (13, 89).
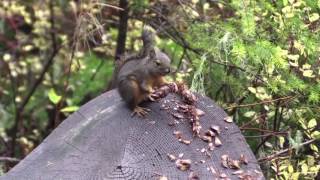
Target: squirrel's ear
(152, 54)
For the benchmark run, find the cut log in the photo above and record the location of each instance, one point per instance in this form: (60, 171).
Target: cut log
(102, 141)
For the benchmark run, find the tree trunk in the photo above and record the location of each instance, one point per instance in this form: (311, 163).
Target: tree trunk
(121, 41)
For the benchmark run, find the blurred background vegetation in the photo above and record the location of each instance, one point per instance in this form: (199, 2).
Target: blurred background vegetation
(259, 60)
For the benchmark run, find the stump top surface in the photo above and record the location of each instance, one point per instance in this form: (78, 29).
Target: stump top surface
(102, 141)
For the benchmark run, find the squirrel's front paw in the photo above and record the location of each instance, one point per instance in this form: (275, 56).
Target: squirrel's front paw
(140, 111)
(152, 97)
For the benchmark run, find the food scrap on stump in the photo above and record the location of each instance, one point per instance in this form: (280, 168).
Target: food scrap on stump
(186, 110)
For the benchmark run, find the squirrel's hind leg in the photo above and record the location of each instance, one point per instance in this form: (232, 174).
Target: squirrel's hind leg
(130, 93)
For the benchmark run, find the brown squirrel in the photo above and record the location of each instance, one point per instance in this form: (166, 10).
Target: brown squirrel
(141, 74)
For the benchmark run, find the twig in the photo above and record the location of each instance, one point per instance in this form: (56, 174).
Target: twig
(97, 70)
(264, 130)
(263, 135)
(262, 102)
(251, 121)
(272, 156)
(10, 159)
(109, 5)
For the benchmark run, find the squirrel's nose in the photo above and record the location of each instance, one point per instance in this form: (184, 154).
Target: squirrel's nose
(167, 70)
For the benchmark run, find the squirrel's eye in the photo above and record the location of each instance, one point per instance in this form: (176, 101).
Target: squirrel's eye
(158, 63)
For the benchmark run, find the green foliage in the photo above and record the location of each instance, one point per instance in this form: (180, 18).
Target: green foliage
(258, 59)
(275, 48)
(54, 98)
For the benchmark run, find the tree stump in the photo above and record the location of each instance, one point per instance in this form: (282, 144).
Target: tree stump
(102, 141)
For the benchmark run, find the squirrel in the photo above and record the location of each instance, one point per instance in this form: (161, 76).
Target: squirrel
(141, 74)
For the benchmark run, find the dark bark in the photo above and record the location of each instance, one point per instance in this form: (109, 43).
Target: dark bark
(122, 29)
(121, 41)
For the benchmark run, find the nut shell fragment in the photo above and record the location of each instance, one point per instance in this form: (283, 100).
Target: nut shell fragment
(171, 157)
(183, 164)
(217, 141)
(228, 119)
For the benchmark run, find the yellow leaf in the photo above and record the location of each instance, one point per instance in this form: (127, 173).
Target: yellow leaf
(293, 57)
(281, 141)
(252, 89)
(299, 46)
(308, 73)
(312, 123)
(290, 169)
(314, 17)
(310, 160)
(304, 168)
(295, 176)
(314, 147)
(306, 66)
(6, 57)
(294, 64)
(206, 6)
(315, 135)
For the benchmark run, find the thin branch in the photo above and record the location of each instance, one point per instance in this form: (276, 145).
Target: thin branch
(262, 102)
(263, 135)
(109, 5)
(264, 130)
(10, 159)
(272, 156)
(261, 143)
